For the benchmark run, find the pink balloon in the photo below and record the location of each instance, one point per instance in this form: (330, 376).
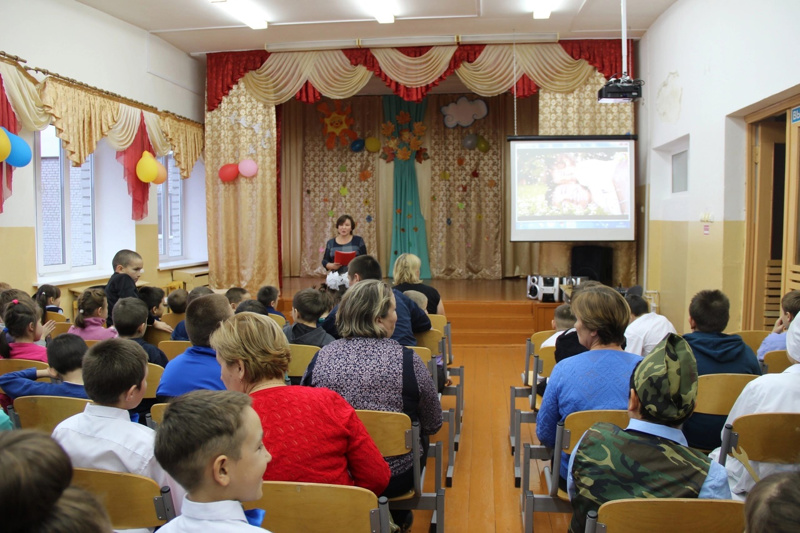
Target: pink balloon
(248, 168)
(229, 172)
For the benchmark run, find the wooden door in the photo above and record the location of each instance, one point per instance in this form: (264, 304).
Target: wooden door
(791, 250)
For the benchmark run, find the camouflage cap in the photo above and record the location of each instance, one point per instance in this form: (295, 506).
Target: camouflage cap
(666, 380)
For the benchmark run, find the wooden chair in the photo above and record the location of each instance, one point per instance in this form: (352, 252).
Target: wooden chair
(90, 343)
(60, 327)
(154, 373)
(764, 437)
(15, 365)
(173, 349)
(532, 346)
(302, 354)
(321, 508)
(777, 361)
(278, 318)
(57, 317)
(156, 336)
(543, 363)
(568, 434)
(156, 414)
(752, 337)
(132, 501)
(173, 319)
(46, 412)
(667, 515)
(439, 322)
(716, 393)
(395, 434)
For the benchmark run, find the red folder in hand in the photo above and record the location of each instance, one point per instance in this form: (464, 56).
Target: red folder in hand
(343, 258)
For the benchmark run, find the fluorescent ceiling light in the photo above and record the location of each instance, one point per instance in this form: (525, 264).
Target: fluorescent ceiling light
(245, 11)
(383, 13)
(508, 38)
(304, 46)
(542, 9)
(422, 40)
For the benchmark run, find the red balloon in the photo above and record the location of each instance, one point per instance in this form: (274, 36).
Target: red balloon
(229, 172)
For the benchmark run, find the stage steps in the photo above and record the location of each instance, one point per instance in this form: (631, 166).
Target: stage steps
(490, 322)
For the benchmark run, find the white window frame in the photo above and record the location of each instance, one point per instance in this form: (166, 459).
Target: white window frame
(66, 266)
(169, 162)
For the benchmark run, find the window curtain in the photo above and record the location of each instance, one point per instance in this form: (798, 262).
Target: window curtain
(8, 120)
(409, 234)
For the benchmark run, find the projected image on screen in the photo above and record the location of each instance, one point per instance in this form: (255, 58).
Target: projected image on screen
(568, 190)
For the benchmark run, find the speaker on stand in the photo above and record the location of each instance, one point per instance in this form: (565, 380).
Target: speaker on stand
(593, 262)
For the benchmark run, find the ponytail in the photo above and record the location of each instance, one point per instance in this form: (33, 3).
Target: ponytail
(88, 303)
(44, 294)
(17, 316)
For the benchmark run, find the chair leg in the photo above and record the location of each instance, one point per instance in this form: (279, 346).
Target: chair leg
(451, 449)
(526, 417)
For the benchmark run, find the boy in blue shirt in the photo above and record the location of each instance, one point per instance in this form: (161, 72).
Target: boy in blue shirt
(65, 356)
(268, 296)
(179, 333)
(790, 306)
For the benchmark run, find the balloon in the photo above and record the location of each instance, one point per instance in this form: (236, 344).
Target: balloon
(20, 154)
(248, 168)
(5, 145)
(357, 145)
(147, 169)
(148, 154)
(469, 141)
(483, 144)
(372, 144)
(229, 172)
(162, 173)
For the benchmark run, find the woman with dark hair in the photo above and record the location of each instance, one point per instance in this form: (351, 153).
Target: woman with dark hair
(344, 241)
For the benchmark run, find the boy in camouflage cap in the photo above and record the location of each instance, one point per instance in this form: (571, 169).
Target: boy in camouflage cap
(648, 459)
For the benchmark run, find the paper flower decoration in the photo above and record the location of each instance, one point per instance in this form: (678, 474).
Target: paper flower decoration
(407, 143)
(364, 175)
(336, 124)
(403, 117)
(344, 191)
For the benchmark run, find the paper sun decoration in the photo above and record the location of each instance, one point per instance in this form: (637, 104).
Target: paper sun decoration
(336, 124)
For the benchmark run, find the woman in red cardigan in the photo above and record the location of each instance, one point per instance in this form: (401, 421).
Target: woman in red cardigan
(313, 434)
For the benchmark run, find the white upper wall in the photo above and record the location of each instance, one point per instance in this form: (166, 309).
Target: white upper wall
(704, 62)
(82, 43)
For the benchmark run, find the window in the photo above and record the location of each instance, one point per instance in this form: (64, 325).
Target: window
(680, 171)
(65, 208)
(170, 213)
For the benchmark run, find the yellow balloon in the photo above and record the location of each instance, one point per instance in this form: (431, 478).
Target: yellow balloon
(372, 144)
(5, 145)
(147, 169)
(147, 154)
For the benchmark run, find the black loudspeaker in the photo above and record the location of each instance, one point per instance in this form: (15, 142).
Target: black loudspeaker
(594, 262)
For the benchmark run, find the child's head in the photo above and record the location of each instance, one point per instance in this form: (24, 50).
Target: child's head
(22, 324)
(211, 442)
(204, 315)
(563, 319)
(308, 305)
(790, 306)
(709, 311)
(251, 306)
(268, 295)
(196, 293)
(177, 301)
(153, 297)
(771, 507)
(406, 269)
(418, 298)
(91, 304)
(236, 295)
(638, 305)
(65, 353)
(130, 317)
(13, 294)
(47, 295)
(129, 263)
(114, 373)
(364, 267)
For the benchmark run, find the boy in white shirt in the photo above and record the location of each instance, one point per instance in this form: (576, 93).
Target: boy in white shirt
(212, 443)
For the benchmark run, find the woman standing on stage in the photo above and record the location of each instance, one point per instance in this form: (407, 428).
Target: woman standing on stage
(344, 241)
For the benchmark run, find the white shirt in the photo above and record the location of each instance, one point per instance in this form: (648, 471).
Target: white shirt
(771, 393)
(215, 517)
(645, 332)
(104, 438)
(551, 340)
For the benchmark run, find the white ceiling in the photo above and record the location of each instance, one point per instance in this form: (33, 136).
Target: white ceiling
(198, 26)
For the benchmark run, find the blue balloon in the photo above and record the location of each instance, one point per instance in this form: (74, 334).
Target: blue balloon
(470, 141)
(357, 145)
(20, 151)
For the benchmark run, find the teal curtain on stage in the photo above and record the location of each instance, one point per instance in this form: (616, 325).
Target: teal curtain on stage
(408, 226)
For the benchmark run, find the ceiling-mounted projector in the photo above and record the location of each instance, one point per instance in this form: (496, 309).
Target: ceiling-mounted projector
(619, 91)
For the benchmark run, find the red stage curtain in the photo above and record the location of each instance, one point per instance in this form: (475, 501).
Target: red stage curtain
(225, 69)
(138, 190)
(604, 54)
(308, 94)
(9, 121)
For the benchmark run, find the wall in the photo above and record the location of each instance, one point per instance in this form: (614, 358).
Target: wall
(705, 62)
(81, 43)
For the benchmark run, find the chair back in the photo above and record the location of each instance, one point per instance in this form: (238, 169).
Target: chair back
(302, 354)
(752, 337)
(156, 336)
(576, 424)
(173, 319)
(546, 360)
(777, 361)
(438, 322)
(539, 337)
(278, 318)
(173, 349)
(157, 412)
(154, 373)
(132, 501)
(716, 393)
(391, 432)
(766, 437)
(56, 317)
(90, 342)
(427, 358)
(667, 515)
(15, 365)
(433, 339)
(59, 328)
(321, 508)
(46, 412)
